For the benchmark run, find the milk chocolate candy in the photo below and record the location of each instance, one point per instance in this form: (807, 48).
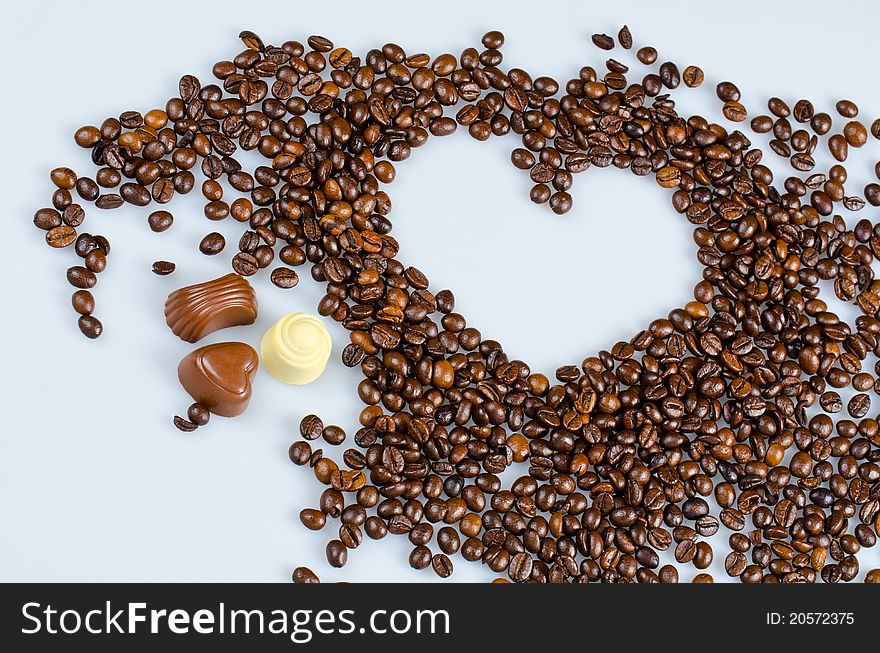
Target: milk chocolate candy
(195, 311)
(219, 376)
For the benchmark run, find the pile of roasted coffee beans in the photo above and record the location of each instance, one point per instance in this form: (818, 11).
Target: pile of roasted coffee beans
(719, 415)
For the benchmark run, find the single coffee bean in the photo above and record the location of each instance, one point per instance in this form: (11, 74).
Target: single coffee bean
(669, 75)
(80, 277)
(647, 55)
(109, 201)
(61, 236)
(312, 519)
(420, 557)
(847, 108)
(163, 268)
(300, 452)
(284, 277)
(73, 215)
(245, 264)
(727, 92)
(47, 219)
(337, 554)
(352, 355)
(351, 535)
(333, 435)
(96, 261)
(198, 414)
(83, 302)
(734, 111)
(603, 41)
(160, 221)
(90, 326)
(212, 244)
(184, 425)
(63, 178)
(87, 136)
(692, 76)
(311, 427)
(520, 567)
(442, 565)
(624, 37)
(302, 575)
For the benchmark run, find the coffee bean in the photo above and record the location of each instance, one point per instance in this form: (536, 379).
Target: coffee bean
(63, 178)
(603, 41)
(312, 519)
(692, 76)
(847, 108)
(302, 575)
(735, 563)
(727, 92)
(442, 565)
(333, 435)
(647, 55)
(109, 201)
(520, 567)
(47, 219)
(198, 414)
(160, 221)
(163, 268)
(300, 452)
(337, 554)
(669, 75)
(80, 277)
(90, 326)
(352, 355)
(61, 236)
(83, 302)
(212, 244)
(821, 123)
(284, 277)
(350, 535)
(855, 133)
(87, 136)
(184, 425)
(245, 264)
(311, 427)
(96, 261)
(734, 111)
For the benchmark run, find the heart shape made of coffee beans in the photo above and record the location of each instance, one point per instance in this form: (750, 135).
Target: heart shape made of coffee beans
(621, 451)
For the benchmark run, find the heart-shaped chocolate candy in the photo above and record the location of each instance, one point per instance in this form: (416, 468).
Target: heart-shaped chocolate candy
(219, 376)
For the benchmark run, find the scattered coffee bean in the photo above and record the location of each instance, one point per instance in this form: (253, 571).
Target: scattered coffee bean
(61, 236)
(83, 302)
(184, 424)
(284, 277)
(311, 427)
(692, 76)
(603, 41)
(160, 221)
(212, 244)
(198, 414)
(303, 575)
(163, 268)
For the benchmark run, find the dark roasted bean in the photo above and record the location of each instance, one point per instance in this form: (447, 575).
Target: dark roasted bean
(163, 268)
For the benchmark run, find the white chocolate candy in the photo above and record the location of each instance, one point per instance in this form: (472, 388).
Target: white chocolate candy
(296, 348)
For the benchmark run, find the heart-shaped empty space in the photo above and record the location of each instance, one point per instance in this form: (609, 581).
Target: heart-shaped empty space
(552, 289)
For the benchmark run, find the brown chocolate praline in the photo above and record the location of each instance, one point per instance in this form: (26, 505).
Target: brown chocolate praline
(219, 376)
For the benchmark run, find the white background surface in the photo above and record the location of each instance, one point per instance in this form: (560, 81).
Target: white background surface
(97, 485)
